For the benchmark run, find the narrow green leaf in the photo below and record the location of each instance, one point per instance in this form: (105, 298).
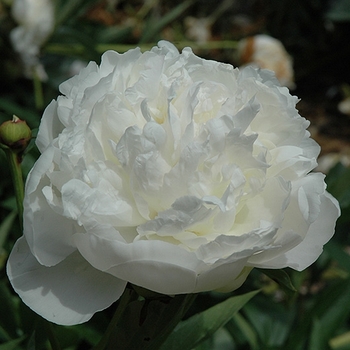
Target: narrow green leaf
(153, 29)
(31, 343)
(239, 327)
(190, 333)
(335, 314)
(67, 9)
(338, 184)
(331, 308)
(337, 253)
(317, 339)
(87, 41)
(5, 227)
(272, 321)
(339, 11)
(282, 278)
(8, 311)
(340, 342)
(114, 34)
(12, 344)
(206, 345)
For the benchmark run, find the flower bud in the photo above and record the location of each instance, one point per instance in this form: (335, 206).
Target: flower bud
(15, 134)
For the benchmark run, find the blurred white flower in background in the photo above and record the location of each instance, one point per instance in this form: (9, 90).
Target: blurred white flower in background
(344, 106)
(198, 29)
(266, 52)
(35, 20)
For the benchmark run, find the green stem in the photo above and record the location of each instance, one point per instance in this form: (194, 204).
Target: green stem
(17, 179)
(147, 322)
(78, 49)
(128, 295)
(38, 91)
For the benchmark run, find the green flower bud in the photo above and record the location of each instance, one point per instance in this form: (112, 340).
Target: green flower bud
(15, 134)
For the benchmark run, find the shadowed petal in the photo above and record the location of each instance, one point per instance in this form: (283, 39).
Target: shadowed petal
(68, 293)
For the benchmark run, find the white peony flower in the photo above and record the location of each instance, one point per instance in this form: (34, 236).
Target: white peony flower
(171, 172)
(35, 20)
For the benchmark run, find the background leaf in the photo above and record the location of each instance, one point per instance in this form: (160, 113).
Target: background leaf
(282, 278)
(190, 333)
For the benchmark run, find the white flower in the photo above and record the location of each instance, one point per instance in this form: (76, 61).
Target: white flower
(36, 22)
(266, 52)
(171, 172)
(198, 29)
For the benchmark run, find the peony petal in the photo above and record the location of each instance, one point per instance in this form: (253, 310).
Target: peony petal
(68, 293)
(312, 186)
(227, 249)
(81, 203)
(47, 232)
(38, 172)
(51, 127)
(319, 233)
(233, 284)
(155, 265)
(222, 277)
(120, 63)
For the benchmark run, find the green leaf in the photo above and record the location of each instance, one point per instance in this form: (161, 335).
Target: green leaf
(206, 345)
(32, 343)
(67, 9)
(335, 314)
(331, 308)
(191, 332)
(339, 10)
(282, 278)
(5, 227)
(152, 30)
(114, 34)
(73, 335)
(338, 184)
(12, 344)
(79, 36)
(336, 252)
(8, 311)
(341, 342)
(272, 321)
(242, 331)
(145, 323)
(317, 338)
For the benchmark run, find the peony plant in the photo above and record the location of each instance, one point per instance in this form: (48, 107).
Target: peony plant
(170, 172)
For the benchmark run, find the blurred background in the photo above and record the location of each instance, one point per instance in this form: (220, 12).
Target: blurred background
(44, 42)
(306, 43)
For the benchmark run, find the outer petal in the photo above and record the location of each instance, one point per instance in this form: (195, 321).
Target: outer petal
(234, 284)
(225, 277)
(156, 265)
(68, 293)
(319, 233)
(48, 233)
